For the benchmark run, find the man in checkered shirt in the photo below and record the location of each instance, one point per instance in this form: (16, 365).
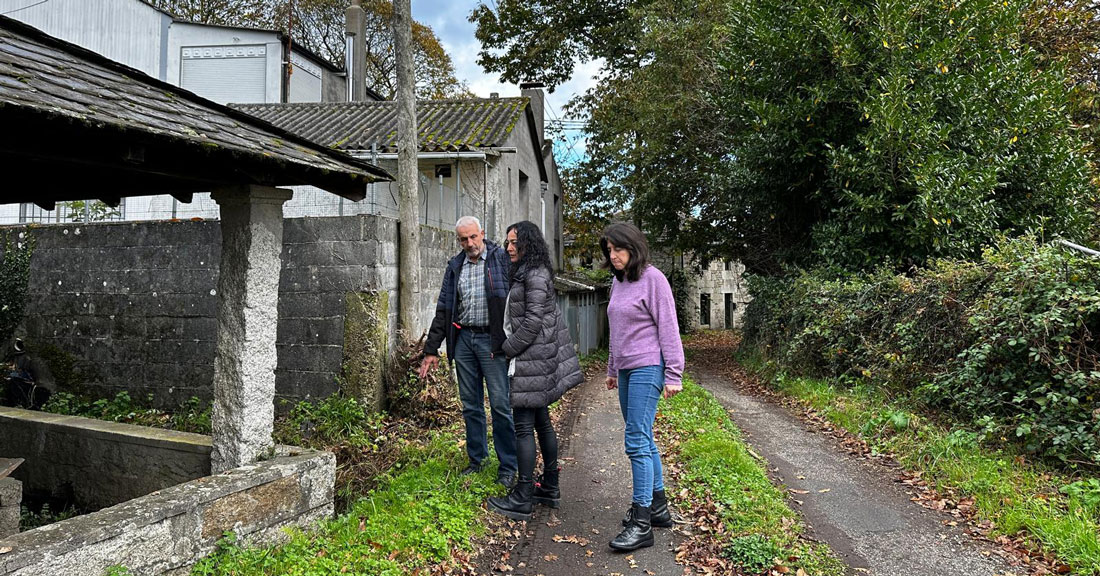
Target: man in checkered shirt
(470, 315)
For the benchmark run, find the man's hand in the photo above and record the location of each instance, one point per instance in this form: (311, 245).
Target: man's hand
(612, 383)
(428, 364)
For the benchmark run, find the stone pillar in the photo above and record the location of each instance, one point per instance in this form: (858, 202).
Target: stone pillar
(248, 297)
(11, 494)
(366, 340)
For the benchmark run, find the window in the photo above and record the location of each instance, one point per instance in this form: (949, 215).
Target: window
(704, 309)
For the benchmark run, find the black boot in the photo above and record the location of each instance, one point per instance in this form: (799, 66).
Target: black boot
(637, 534)
(659, 515)
(547, 491)
(518, 504)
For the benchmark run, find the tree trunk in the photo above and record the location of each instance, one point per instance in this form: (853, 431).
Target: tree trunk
(407, 184)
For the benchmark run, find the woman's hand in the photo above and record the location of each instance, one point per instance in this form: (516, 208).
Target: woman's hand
(670, 392)
(612, 383)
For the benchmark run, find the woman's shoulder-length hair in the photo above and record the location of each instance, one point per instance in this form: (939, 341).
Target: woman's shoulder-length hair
(627, 236)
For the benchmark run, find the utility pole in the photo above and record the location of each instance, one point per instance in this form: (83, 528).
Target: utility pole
(407, 181)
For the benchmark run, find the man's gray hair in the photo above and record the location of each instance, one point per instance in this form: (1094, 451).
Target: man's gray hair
(466, 221)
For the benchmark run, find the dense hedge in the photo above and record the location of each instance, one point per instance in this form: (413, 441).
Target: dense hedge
(1008, 341)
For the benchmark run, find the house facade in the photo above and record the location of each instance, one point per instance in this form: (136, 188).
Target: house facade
(486, 157)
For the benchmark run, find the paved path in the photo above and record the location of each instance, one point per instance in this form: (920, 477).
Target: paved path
(595, 485)
(853, 505)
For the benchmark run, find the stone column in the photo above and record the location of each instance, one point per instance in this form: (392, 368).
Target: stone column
(11, 494)
(248, 297)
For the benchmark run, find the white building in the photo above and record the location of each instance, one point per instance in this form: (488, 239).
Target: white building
(220, 63)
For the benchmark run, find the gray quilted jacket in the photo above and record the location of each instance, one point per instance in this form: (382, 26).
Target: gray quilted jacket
(546, 363)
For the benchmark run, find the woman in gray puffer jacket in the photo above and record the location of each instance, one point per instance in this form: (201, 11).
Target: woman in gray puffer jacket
(542, 365)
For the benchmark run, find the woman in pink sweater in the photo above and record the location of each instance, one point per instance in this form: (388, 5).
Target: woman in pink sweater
(646, 359)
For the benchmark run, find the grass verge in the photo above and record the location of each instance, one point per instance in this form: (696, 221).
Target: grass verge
(421, 514)
(1015, 500)
(735, 507)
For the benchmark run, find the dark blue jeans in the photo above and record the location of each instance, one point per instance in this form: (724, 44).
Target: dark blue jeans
(639, 391)
(475, 364)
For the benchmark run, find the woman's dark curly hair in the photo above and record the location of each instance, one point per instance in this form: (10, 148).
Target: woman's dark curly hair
(531, 247)
(628, 236)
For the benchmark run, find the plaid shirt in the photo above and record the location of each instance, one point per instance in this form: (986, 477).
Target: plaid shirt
(473, 306)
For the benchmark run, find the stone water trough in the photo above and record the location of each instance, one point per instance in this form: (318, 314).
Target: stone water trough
(158, 508)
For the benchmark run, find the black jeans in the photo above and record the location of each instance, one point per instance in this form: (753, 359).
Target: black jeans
(528, 422)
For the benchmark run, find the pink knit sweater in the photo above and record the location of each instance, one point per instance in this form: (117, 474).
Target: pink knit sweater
(642, 318)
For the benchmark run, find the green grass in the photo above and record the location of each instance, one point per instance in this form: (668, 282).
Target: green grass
(420, 512)
(718, 467)
(1061, 514)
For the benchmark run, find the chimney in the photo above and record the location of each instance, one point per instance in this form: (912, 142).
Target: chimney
(533, 90)
(494, 95)
(355, 52)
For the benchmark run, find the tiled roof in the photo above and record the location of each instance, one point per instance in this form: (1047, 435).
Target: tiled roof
(443, 125)
(48, 85)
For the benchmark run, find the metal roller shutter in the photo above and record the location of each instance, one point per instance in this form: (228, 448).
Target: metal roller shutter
(226, 74)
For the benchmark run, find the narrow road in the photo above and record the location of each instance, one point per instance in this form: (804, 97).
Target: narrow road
(595, 486)
(853, 505)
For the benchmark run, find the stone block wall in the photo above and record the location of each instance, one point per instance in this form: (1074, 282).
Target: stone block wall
(128, 461)
(131, 305)
(167, 531)
(11, 495)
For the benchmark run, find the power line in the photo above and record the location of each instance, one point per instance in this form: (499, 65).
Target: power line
(24, 8)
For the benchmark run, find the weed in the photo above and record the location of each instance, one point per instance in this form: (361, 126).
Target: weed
(753, 552)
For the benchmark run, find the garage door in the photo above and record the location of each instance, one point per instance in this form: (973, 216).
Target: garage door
(226, 73)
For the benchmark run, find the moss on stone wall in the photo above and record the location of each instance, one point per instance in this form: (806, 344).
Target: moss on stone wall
(366, 320)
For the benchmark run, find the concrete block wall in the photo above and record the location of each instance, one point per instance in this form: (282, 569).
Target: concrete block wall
(131, 305)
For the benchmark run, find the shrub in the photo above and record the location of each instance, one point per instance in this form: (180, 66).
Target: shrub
(1007, 339)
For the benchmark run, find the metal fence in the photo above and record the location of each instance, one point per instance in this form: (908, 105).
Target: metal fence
(440, 206)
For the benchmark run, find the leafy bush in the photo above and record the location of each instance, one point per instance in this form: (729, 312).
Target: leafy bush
(1009, 339)
(753, 552)
(332, 421)
(192, 415)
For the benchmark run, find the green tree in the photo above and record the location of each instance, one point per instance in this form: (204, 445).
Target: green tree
(543, 39)
(829, 131)
(319, 26)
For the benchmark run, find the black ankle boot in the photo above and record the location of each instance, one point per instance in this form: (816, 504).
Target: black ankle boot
(518, 504)
(659, 515)
(637, 534)
(547, 491)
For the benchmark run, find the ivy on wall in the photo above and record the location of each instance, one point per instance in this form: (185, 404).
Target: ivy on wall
(15, 267)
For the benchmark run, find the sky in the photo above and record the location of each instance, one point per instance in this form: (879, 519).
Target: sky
(448, 19)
